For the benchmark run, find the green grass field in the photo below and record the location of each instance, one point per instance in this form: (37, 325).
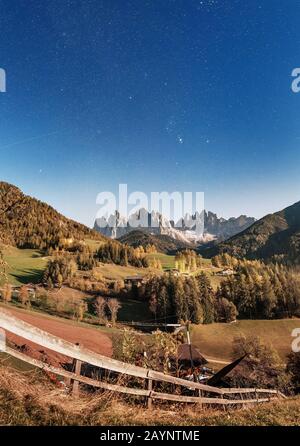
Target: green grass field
(28, 265)
(168, 262)
(215, 340)
(24, 265)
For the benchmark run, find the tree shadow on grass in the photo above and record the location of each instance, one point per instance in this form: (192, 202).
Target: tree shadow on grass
(29, 276)
(38, 255)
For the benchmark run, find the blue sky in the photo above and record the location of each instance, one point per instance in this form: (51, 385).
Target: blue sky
(181, 95)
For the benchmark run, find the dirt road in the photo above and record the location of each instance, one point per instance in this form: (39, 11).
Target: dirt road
(87, 337)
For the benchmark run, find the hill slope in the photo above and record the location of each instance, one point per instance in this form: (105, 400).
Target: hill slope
(31, 399)
(275, 236)
(163, 243)
(26, 222)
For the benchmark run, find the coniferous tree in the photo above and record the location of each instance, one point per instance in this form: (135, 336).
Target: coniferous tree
(207, 298)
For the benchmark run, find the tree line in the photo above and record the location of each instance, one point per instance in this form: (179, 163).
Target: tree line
(187, 261)
(262, 291)
(64, 263)
(175, 299)
(124, 255)
(253, 291)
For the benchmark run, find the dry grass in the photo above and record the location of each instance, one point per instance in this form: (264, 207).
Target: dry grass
(272, 414)
(215, 340)
(31, 399)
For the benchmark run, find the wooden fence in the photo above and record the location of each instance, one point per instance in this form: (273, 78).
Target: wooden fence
(203, 394)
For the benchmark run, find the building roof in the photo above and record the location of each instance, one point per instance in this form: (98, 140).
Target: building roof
(184, 354)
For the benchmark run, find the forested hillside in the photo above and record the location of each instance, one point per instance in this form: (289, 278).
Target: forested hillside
(162, 242)
(26, 222)
(275, 237)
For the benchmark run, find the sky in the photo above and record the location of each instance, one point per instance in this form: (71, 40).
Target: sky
(173, 95)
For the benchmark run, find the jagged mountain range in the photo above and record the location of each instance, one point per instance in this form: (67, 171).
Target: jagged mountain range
(154, 223)
(26, 222)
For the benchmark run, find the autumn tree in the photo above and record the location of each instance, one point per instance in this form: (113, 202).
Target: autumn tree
(113, 306)
(100, 306)
(124, 255)
(24, 296)
(3, 267)
(7, 292)
(260, 290)
(225, 311)
(293, 368)
(85, 258)
(173, 298)
(80, 308)
(59, 269)
(187, 261)
(155, 263)
(261, 367)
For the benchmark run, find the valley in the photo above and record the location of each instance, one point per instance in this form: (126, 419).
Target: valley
(123, 298)
(149, 217)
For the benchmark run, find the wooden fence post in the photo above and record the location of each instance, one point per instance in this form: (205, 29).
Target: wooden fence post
(150, 385)
(223, 405)
(77, 370)
(256, 396)
(40, 337)
(200, 398)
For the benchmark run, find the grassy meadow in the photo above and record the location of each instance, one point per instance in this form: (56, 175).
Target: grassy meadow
(24, 265)
(215, 340)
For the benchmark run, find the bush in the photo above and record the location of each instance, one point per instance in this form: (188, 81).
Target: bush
(60, 269)
(225, 311)
(293, 368)
(260, 368)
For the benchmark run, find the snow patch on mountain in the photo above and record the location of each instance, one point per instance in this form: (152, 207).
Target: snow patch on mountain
(115, 226)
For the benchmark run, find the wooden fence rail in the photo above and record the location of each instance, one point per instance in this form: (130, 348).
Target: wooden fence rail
(83, 355)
